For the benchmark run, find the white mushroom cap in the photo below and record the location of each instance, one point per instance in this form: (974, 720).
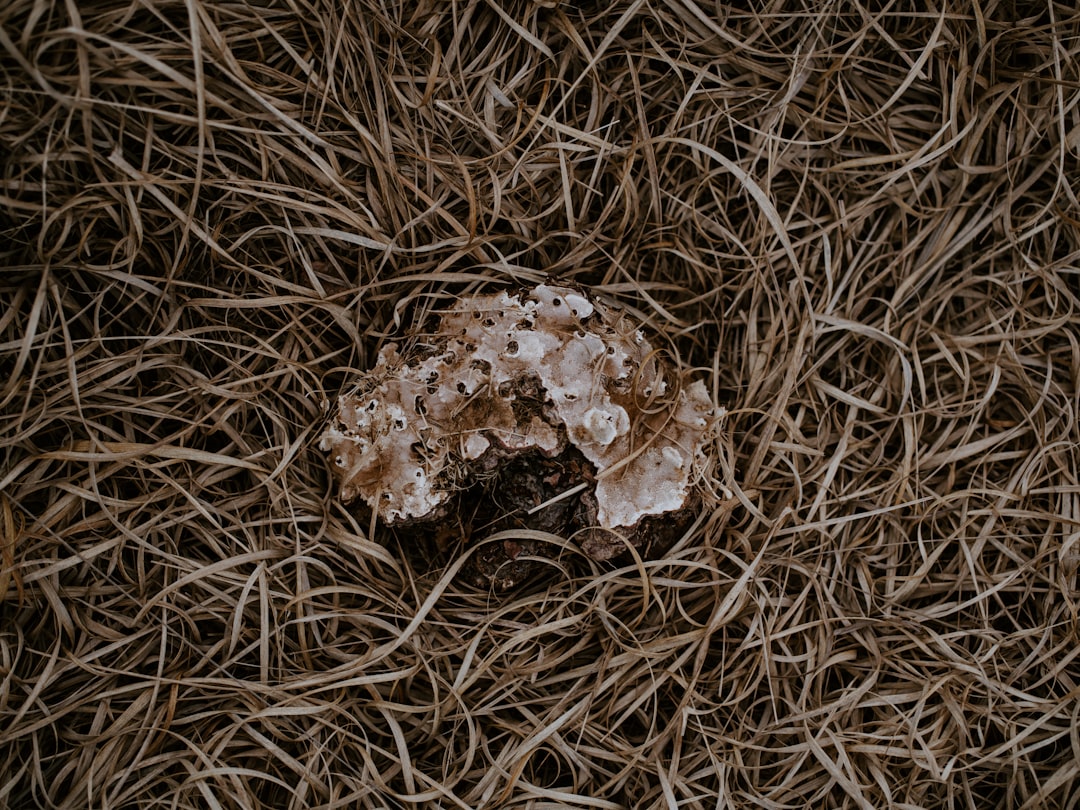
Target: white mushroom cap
(409, 424)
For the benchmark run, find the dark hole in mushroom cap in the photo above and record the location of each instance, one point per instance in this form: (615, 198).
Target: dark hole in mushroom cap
(512, 347)
(423, 350)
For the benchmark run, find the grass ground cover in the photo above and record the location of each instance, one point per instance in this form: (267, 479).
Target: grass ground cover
(857, 221)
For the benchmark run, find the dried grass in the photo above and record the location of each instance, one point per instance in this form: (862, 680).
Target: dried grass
(859, 221)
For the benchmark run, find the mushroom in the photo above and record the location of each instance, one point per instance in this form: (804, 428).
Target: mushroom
(542, 409)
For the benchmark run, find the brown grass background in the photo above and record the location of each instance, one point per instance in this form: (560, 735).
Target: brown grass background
(858, 221)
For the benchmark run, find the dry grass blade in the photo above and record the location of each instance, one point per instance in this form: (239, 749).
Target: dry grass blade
(859, 221)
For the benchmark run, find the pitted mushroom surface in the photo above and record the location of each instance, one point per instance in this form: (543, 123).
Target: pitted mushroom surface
(544, 374)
